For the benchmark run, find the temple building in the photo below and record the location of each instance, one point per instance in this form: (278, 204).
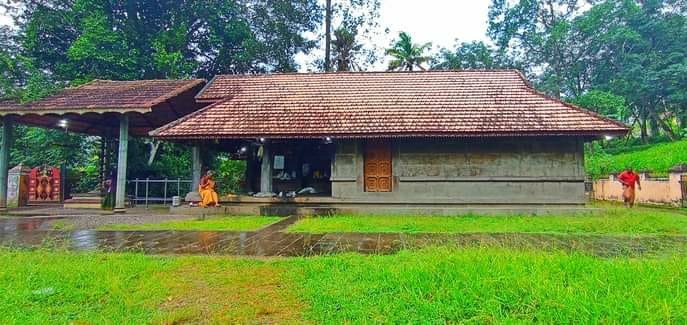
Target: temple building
(436, 142)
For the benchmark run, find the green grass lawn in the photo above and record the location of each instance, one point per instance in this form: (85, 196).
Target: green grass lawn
(610, 220)
(434, 285)
(657, 158)
(238, 223)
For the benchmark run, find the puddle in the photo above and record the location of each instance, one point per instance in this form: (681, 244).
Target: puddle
(27, 232)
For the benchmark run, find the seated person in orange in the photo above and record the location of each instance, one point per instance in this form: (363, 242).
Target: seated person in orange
(207, 192)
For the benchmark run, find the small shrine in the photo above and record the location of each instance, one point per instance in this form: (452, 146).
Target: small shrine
(45, 185)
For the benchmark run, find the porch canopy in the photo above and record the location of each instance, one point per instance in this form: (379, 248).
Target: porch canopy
(103, 108)
(364, 105)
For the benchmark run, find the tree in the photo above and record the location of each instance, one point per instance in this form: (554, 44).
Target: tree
(604, 103)
(60, 43)
(633, 49)
(473, 55)
(328, 35)
(536, 31)
(406, 54)
(137, 39)
(357, 25)
(345, 47)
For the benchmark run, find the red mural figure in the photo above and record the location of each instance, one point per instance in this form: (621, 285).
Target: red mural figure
(44, 185)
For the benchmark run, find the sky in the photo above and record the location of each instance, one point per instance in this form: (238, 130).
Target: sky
(438, 21)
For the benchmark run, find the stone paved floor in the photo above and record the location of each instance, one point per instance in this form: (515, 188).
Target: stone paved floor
(272, 241)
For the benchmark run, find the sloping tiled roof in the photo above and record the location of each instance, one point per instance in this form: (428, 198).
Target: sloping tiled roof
(100, 96)
(9, 104)
(383, 104)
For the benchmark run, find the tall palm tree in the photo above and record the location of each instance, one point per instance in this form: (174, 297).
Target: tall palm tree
(407, 55)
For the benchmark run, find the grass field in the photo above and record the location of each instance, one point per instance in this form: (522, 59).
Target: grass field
(657, 158)
(610, 220)
(240, 223)
(434, 285)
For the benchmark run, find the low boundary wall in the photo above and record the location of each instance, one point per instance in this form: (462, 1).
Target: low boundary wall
(662, 191)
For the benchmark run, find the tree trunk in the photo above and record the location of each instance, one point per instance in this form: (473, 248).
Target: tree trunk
(154, 146)
(658, 123)
(642, 127)
(653, 127)
(328, 37)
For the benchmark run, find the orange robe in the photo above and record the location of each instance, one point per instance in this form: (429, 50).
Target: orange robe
(207, 192)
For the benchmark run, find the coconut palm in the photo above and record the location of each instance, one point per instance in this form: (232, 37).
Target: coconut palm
(406, 54)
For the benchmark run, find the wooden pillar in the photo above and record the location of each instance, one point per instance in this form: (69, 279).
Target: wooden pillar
(196, 168)
(5, 160)
(120, 196)
(266, 170)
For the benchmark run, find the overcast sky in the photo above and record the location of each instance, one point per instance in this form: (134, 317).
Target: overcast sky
(438, 21)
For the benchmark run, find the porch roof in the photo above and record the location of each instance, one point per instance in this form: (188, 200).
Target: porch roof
(93, 108)
(383, 104)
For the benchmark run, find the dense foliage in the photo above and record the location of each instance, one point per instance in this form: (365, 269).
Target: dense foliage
(636, 50)
(657, 158)
(61, 43)
(625, 59)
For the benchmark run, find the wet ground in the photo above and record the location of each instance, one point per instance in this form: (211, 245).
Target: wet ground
(271, 241)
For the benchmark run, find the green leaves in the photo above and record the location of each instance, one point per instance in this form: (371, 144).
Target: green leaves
(633, 49)
(87, 39)
(473, 55)
(604, 103)
(406, 54)
(101, 52)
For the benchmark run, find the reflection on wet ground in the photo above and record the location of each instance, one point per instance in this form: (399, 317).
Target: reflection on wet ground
(271, 241)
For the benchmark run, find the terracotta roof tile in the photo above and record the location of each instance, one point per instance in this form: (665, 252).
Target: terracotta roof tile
(99, 95)
(389, 104)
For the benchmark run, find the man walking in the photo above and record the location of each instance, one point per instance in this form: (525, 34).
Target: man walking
(629, 178)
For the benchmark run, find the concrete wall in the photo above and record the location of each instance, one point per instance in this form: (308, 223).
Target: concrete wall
(470, 171)
(665, 192)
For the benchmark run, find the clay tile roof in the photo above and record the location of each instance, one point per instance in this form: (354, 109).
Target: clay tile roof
(9, 104)
(108, 96)
(383, 104)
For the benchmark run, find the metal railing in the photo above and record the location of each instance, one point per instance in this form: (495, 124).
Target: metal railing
(156, 191)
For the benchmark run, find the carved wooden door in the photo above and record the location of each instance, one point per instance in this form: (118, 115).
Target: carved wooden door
(377, 166)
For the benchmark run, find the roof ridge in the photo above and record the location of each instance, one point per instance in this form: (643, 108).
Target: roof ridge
(178, 121)
(311, 73)
(198, 95)
(190, 84)
(531, 88)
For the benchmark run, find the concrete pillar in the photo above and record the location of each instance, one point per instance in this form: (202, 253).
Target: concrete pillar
(5, 160)
(266, 170)
(196, 168)
(120, 196)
